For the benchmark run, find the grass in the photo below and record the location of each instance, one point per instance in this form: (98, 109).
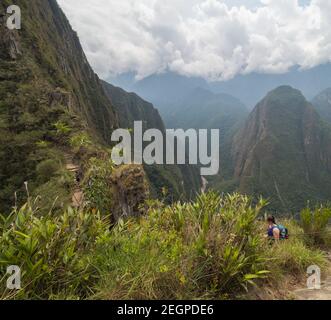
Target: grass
(212, 248)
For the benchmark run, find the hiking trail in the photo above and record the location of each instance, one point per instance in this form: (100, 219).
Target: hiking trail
(315, 294)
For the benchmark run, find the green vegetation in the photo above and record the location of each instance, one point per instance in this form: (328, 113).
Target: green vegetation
(283, 153)
(211, 248)
(98, 186)
(48, 96)
(315, 225)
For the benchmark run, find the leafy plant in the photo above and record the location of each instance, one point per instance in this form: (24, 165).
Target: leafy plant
(52, 251)
(62, 128)
(80, 140)
(97, 186)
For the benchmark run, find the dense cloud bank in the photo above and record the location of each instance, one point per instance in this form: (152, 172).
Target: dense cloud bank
(206, 38)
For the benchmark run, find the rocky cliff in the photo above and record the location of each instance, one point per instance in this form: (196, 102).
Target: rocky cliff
(283, 152)
(181, 182)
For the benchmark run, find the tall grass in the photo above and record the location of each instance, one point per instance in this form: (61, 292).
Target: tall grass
(315, 225)
(51, 251)
(212, 248)
(203, 249)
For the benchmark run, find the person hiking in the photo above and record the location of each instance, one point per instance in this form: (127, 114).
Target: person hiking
(276, 231)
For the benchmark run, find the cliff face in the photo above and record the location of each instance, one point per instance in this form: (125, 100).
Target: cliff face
(283, 151)
(322, 104)
(130, 107)
(183, 181)
(51, 101)
(50, 53)
(47, 88)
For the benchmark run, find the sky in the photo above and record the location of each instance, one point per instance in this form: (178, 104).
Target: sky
(212, 39)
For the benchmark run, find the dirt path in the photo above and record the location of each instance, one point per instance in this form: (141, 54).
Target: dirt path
(316, 294)
(78, 196)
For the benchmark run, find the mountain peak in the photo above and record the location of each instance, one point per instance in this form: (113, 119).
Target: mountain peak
(283, 151)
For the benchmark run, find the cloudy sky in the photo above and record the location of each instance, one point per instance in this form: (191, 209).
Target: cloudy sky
(214, 39)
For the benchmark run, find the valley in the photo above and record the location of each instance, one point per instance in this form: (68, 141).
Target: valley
(83, 227)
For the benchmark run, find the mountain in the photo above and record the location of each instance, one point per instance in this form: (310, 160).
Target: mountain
(322, 103)
(251, 88)
(182, 181)
(164, 90)
(284, 152)
(167, 88)
(47, 91)
(55, 115)
(203, 109)
(130, 107)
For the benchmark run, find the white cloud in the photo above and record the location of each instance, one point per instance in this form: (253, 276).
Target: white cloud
(214, 39)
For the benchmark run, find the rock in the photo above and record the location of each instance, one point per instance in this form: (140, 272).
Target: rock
(130, 190)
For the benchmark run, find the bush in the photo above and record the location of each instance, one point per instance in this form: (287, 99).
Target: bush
(212, 248)
(52, 252)
(47, 169)
(208, 248)
(314, 223)
(293, 257)
(81, 139)
(97, 185)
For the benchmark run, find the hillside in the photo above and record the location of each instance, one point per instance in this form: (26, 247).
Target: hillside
(49, 94)
(284, 152)
(181, 182)
(322, 104)
(56, 114)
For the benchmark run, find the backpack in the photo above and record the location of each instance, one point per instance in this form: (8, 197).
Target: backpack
(283, 232)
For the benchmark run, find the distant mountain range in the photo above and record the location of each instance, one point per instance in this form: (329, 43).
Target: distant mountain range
(164, 89)
(281, 150)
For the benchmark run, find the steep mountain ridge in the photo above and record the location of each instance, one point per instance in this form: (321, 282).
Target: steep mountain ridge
(284, 151)
(182, 181)
(48, 94)
(52, 104)
(130, 107)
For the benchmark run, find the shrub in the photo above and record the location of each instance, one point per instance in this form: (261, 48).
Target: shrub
(46, 169)
(314, 223)
(80, 140)
(52, 252)
(212, 248)
(293, 257)
(97, 185)
(62, 128)
(208, 248)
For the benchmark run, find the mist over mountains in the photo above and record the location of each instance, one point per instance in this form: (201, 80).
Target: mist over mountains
(278, 148)
(274, 142)
(168, 88)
